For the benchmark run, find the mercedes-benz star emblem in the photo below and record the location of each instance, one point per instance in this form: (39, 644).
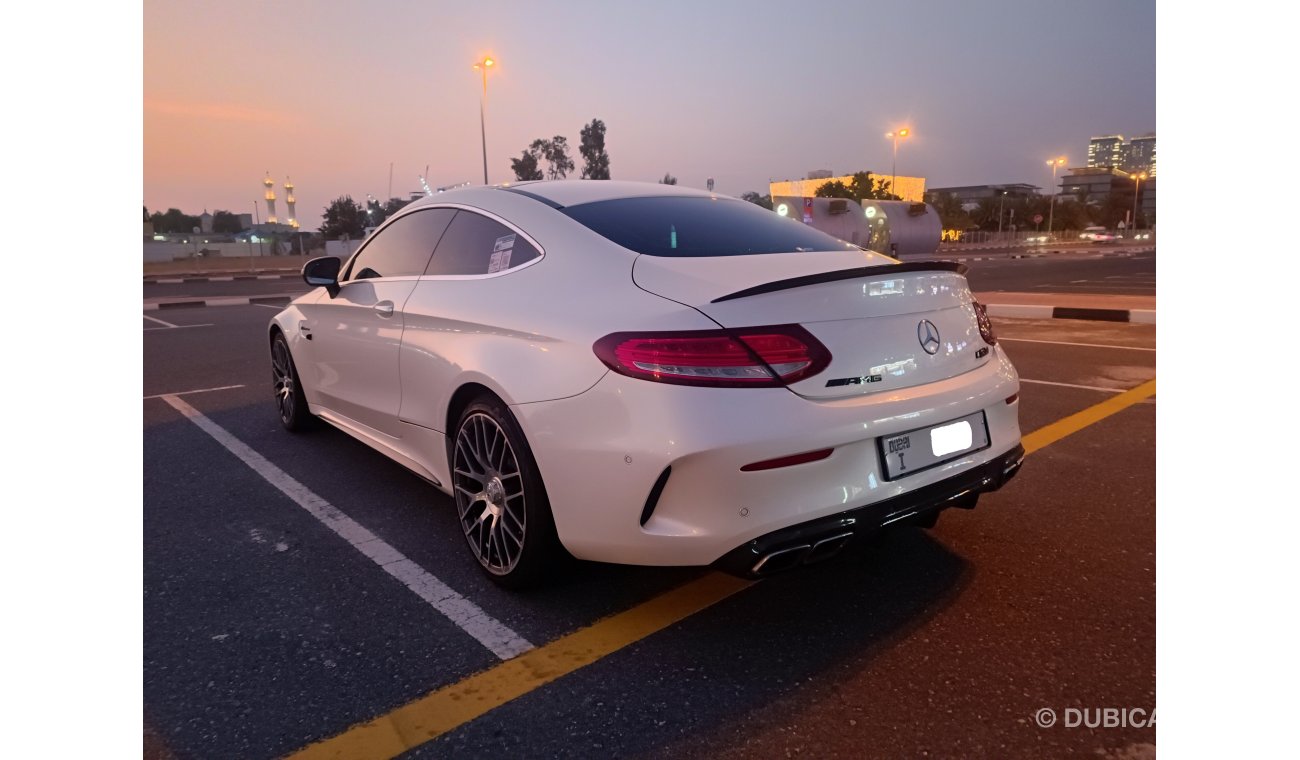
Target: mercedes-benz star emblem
(928, 334)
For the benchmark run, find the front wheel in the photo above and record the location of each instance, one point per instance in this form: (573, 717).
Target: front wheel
(504, 513)
(289, 399)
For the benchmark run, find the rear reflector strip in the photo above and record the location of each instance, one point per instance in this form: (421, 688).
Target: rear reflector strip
(772, 464)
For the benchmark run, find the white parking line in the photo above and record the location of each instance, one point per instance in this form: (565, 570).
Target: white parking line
(1074, 385)
(1067, 343)
(199, 390)
(175, 327)
(159, 321)
(277, 307)
(489, 632)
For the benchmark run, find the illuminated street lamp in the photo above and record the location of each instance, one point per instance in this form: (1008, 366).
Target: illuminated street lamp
(483, 66)
(1051, 209)
(1001, 202)
(1137, 184)
(904, 132)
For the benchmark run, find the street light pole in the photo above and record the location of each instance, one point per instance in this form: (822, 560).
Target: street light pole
(483, 66)
(1051, 208)
(1001, 201)
(893, 182)
(1137, 184)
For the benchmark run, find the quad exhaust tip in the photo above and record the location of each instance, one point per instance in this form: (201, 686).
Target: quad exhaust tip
(802, 554)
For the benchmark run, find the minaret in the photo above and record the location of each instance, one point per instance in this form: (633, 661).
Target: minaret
(289, 201)
(270, 199)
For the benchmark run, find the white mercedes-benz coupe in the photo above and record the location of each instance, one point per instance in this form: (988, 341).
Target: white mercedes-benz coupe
(645, 374)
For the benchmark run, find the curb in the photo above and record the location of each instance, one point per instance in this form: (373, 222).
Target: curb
(953, 255)
(219, 278)
(1033, 311)
(266, 300)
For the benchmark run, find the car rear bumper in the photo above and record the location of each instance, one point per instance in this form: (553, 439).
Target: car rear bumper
(647, 473)
(822, 538)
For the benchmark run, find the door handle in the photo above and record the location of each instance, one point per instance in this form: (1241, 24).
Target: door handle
(384, 308)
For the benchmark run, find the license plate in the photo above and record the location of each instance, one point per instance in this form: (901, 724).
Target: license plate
(921, 449)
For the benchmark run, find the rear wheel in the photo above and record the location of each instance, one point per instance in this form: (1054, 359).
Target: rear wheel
(504, 513)
(289, 399)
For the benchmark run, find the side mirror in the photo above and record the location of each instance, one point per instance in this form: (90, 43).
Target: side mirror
(323, 272)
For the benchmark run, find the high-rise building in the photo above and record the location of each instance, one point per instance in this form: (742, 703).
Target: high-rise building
(1106, 151)
(1142, 155)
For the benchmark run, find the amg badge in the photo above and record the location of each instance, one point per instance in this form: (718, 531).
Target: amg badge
(853, 380)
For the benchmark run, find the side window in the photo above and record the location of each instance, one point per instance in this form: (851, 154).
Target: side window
(402, 249)
(475, 244)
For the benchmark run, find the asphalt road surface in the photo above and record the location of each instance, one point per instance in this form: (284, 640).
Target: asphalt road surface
(267, 632)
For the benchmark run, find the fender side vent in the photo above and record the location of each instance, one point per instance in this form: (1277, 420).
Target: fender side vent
(653, 499)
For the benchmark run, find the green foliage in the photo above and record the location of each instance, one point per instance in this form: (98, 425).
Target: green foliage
(556, 153)
(758, 200)
(525, 167)
(834, 189)
(668, 179)
(343, 216)
(226, 223)
(861, 186)
(396, 204)
(595, 159)
(951, 214)
(173, 221)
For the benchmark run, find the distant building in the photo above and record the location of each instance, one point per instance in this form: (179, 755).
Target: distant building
(1141, 155)
(1095, 183)
(976, 193)
(908, 188)
(1107, 151)
(205, 222)
(1135, 156)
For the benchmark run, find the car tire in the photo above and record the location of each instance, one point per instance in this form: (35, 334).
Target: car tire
(501, 503)
(290, 403)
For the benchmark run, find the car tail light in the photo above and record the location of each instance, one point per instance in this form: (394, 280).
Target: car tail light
(751, 357)
(986, 326)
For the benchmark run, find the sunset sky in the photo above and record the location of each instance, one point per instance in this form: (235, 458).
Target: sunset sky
(330, 93)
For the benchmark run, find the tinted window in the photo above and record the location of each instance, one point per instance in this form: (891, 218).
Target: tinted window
(692, 226)
(403, 248)
(475, 244)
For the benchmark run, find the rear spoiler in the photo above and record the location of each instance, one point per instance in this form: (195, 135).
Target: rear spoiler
(845, 274)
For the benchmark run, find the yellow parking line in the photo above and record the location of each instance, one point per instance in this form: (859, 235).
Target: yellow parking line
(453, 706)
(1054, 432)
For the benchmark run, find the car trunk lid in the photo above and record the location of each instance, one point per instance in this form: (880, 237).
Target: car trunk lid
(887, 325)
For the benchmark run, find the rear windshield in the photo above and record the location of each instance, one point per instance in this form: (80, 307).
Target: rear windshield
(695, 226)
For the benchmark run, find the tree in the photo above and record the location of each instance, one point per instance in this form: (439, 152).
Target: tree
(952, 214)
(861, 186)
(556, 153)
(226, 223)
(758, 200)
(174, 221)
(397, 204)
(525, 167)
(146, 213)
(668, 179)
(595, 159)
(343, 216)
(834, 189)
